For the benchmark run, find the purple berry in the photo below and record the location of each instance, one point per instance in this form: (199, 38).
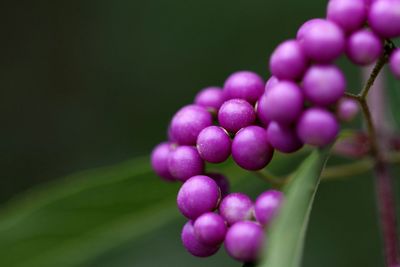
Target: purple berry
(159, 160)
(188, 122)
(384, 18)
(235, 114)
(317, 127)
(306, 26)
(222, 182)
(283, 138)
(349, 15)
(271, 82)
(267, 205)
(236, 207)
(324, 84)
(210, 229)
(394, 63)
(192, 244)
(323, 41)
(347, 109)
(211, 98)
(185, 162)
(364, 47)
(251, 149)
(245, 85)
(198, 195)
(214, 144)
(288, 61)
(283, 103)
(262, 111)
(244, 241)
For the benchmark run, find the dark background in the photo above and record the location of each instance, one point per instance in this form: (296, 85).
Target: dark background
(88, 83)
(92, 83)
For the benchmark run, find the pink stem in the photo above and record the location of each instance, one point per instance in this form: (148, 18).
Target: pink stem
(383, 180)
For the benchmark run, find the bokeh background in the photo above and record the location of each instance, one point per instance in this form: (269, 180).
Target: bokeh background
(86, 84)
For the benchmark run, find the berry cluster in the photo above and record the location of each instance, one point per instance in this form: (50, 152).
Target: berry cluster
(248, 119)
(238, 222)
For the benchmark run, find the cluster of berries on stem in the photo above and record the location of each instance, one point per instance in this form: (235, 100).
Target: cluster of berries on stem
(302, 103)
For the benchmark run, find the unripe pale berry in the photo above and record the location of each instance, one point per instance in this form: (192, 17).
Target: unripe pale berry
(236, 207)
(214, 144)
(283, 103)
(198, 195)
(222, 182)
(323, 85)
(211, 98)
(283, 138)
(192, 244)
(251, 149)
(364, 47)
(185, 162)
(394, 63)
(288, 61)
(210, 229)
(245, 85)
(323, 41)
(347, 109)
(317, 127)
(235, 114)
(244, 241)
(187, 124)
(267, 206)
(349, 15)
(159, 160)
(384, 18)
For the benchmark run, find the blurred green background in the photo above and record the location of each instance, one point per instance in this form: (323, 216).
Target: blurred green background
(86, 84)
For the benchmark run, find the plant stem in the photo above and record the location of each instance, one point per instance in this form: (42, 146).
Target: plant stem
(378, 135)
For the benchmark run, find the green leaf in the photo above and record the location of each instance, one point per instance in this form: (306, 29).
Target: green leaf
(70, 222)
(285, 238)
(85, 217)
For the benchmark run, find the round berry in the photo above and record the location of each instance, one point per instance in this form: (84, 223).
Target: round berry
(394, 63)
(347, 109)
(188, 122)
(159, 160)
(185, 162)
(324, 84)
(245, 85)
(364, 47)
(306, 26)
(236, 207)
(211, 98)
(283, 103)
(210, 229)
(349, 15)
(192, 244)
(288, 61)
(222, 182)
(267, 206)
(235, 114)
(262, 113)
(384, 18)
(251, 149)
(198, 195)
(283, 138)
(244, 241)
(271, 82)
(317, 127)
(214, 144)
(323, 41)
